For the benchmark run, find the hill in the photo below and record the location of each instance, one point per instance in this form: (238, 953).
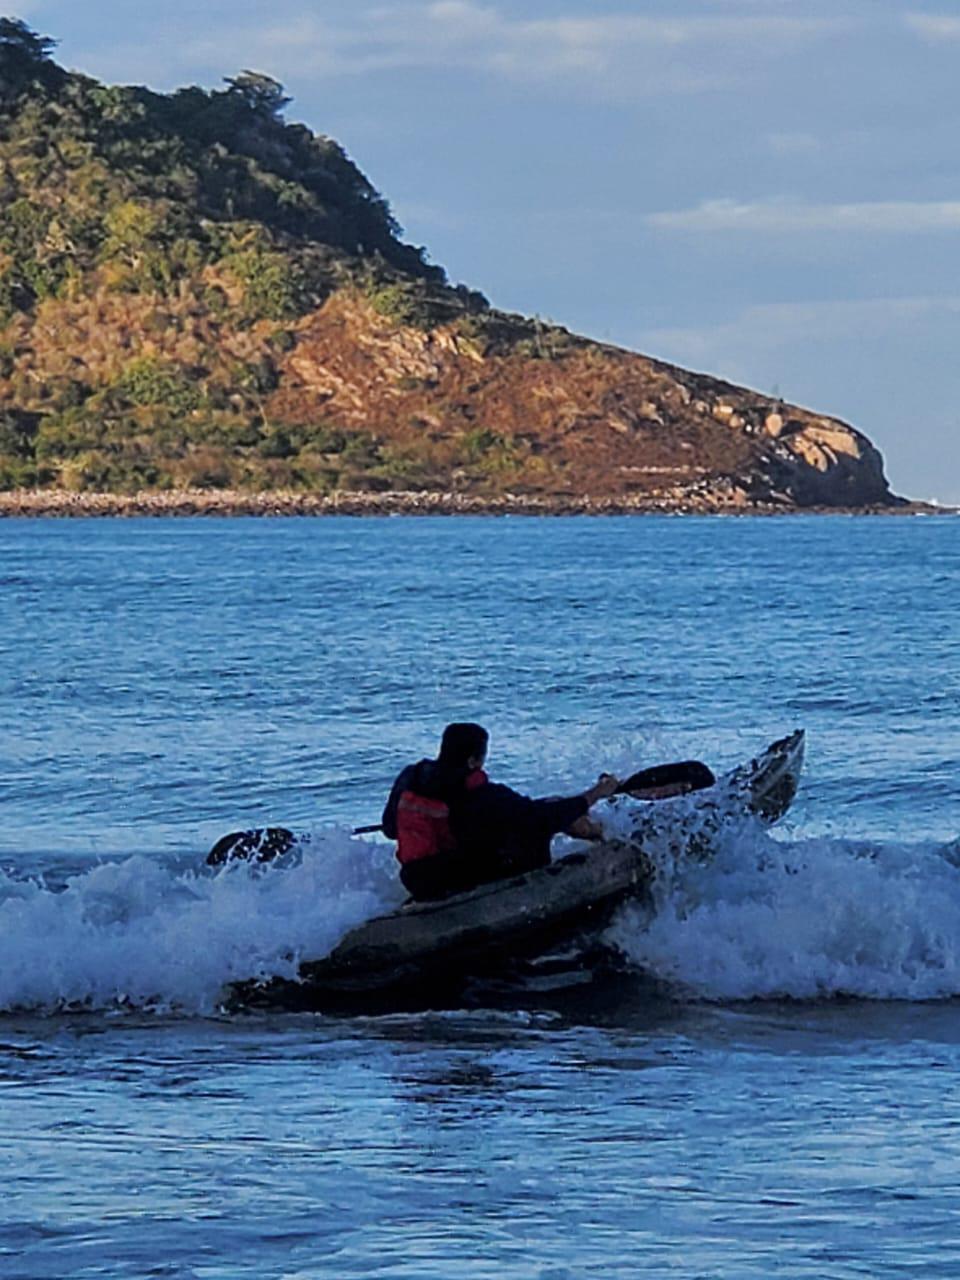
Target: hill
(196, 294)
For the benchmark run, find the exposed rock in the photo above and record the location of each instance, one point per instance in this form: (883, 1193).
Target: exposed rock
(596, 421)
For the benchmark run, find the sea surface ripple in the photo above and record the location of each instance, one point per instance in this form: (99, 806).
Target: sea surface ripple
(769, 1087)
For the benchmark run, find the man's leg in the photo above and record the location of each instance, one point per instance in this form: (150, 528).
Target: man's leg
(519, 857)
(429, 879)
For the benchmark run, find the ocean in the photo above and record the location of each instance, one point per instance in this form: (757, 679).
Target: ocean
(768, 1087)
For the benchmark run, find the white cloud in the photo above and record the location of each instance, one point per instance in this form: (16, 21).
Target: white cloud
(769, 326)
(613, 53)
(934, 26)
(790, 217)
(793, 144)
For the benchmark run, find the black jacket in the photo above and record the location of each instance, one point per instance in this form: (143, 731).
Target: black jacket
(427, 778)
(495, 820)
(488, 822)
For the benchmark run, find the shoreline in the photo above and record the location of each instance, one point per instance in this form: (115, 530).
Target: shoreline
(63, 503)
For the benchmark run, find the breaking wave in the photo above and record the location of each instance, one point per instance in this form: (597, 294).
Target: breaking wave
(769, 918)
(140, 934)
(763, 918)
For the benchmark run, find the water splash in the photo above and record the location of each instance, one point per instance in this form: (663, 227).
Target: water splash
(762, 917)
(807, 919)
(138, 934)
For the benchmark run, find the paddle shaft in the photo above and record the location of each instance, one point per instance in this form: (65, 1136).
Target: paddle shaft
(267, 843)
(690, 774)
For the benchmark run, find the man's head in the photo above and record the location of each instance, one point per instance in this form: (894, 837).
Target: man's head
(464, 746)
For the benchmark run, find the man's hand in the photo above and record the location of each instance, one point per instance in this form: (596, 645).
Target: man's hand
(604, 786)
(585, 829)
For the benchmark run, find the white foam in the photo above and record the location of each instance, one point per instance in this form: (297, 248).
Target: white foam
(808, 919)
(137, 933)
(763, 917)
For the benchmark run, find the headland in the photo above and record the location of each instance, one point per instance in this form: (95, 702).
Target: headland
(198, 298)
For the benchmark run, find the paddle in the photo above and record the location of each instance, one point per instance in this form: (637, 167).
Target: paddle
(658, 782)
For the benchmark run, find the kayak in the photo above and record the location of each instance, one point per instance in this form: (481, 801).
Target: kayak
(426, 948)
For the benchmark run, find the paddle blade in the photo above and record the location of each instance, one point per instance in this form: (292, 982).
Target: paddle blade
(669, 779)
(261, 845)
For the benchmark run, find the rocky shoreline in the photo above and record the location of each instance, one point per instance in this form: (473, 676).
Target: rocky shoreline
(223, 502)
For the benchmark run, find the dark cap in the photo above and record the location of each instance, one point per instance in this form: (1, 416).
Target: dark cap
(460, 742)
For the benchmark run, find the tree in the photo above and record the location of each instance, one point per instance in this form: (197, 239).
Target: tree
(261, 93)
(17, 37)
(24, 55)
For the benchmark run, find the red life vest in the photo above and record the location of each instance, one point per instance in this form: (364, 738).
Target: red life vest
(423, 823)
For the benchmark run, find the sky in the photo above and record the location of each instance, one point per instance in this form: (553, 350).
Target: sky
(765, 190)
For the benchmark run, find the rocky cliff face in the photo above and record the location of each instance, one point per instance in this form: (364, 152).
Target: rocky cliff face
(571, 417)
(194, 293)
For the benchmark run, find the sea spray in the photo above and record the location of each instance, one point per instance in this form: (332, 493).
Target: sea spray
(137, 934)
(809, 919)
(762, 917)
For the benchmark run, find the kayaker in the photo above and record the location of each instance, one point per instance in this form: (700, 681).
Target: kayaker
(456, 829)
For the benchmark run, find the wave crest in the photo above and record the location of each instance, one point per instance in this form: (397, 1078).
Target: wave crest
(139, 934)
(806, 919)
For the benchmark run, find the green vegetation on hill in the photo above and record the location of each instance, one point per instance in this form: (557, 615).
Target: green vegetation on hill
(162, 184)
(155, 253)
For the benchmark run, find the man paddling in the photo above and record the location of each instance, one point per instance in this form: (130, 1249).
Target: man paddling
(456, 829)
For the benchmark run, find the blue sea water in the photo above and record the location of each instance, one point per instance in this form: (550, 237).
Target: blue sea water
(769, 1089)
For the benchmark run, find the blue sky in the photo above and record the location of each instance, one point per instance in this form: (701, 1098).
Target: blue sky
(767, 190)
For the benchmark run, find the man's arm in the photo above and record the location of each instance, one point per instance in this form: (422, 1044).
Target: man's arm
(546, 817)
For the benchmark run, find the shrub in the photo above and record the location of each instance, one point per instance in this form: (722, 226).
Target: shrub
(271, 287)
(70, 394)
(324, 439)
(149, 380)
(204, 467)
(92, 469)
(234, 431)
(492, 454)
(276, 443)
(131, 227)
(18, 433)
(313, 471)
(283, 340)
(21, 473)
(33, 268)
(65, 435)
(407, 303)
